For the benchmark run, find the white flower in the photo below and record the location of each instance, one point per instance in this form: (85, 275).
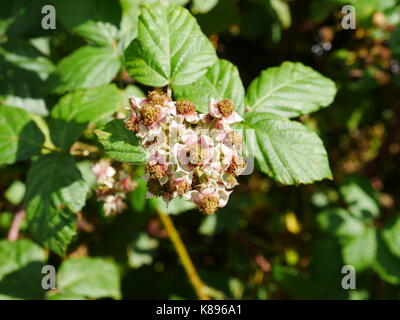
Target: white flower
(190, 155)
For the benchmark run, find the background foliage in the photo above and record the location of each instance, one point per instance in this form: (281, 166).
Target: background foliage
(59, 90)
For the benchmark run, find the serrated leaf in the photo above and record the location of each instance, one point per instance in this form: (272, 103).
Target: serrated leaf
(222, 80)
(75, 110)
(129, 22)
(360, 197)
(360, 251)
(290, 90)
(286, 150)
(20, 138)
(96, 20)
(21, 264)
(121, 144)
(89, 278)
(55, 191)
(86, 67)
(170, 47)
(339, 222)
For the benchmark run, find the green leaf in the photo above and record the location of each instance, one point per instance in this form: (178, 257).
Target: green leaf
(222, 80)
(282, 10)
(203, 6)
(22, 88)
(391, 236)
(21, 18)
(55, 191)
(360, 197)
(129, 22)
(89, 278)
(340, 223)
(297, 284)
(21, 264)
(121, 144)
(386, 264)
(138, 196)
(20, 138)
(360, 252)
(290, 90)
(86, 67)
(75, 110)
(286, 150)
(85, 167)
(15, 192)
(95, 20)
(135, 91)
(24, 55)
(170, 48)
(141, 250)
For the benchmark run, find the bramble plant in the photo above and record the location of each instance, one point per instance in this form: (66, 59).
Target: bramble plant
(146, 116)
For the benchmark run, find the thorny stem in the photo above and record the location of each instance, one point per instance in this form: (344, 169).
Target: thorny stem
(198, 285)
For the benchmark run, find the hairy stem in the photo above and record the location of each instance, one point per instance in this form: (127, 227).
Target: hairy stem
(198, 285)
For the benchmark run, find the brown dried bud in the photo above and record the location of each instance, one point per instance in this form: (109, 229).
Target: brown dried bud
(237, 165)
(208, 204)
(225, 106)
(155, 171)
(150, 114)
(132, 125)
(158, 96)
(185, 107)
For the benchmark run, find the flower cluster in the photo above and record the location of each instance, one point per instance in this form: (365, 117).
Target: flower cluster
(112, 186)
(190, 155)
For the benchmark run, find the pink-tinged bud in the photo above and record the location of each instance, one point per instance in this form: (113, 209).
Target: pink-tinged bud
(104, 173)
(125, 183)
(136, 103)
(224, 111)
(114, 204)
(112, 186)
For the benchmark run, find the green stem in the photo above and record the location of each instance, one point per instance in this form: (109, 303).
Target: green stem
(198, 285)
